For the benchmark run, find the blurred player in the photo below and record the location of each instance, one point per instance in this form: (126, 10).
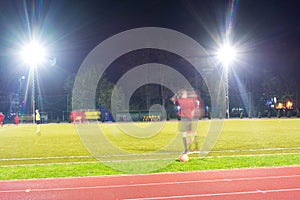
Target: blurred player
(37, 120)
(188, 103)
(2, 116)
(17, 120)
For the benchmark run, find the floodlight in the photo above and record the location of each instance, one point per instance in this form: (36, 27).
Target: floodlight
(226, 54)
(33, 54)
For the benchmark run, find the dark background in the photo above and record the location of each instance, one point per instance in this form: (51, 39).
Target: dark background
(266, 32)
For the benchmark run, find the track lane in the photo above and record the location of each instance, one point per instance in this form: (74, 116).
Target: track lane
(218, 184)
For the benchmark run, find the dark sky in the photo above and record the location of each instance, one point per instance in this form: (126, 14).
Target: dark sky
(268, 32)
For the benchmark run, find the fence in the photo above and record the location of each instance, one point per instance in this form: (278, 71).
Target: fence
(140, 116)
(57, 108)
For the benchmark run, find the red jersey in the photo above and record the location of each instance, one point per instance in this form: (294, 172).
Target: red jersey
(2, 116)
(17, 119)
(187, 107)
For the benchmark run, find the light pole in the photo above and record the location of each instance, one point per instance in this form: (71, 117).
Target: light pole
(33, 94)
(33, 54)
(22, 78)
(226, 55)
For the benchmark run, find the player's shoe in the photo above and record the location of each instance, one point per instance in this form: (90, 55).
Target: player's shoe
(186, 152)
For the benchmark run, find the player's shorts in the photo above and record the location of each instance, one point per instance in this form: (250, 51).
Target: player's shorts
(187, 124)
(38, 121)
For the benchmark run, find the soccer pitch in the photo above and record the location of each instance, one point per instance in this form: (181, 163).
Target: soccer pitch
(61, 143)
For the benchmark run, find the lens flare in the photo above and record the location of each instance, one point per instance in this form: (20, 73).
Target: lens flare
(33, 53)
(226, 54)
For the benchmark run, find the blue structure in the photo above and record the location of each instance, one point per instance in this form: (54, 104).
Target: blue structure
(105, 115)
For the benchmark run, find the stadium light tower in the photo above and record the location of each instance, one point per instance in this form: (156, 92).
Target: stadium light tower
(226, 55)
(20, 100)
(33, 54)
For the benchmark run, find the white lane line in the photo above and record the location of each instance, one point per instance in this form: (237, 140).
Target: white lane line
(143, 184)
(220, 194)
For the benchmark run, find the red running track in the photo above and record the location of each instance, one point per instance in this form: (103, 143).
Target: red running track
(260, 183)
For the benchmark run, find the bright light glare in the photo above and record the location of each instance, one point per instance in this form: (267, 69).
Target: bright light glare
(33, 54)
(226, 54)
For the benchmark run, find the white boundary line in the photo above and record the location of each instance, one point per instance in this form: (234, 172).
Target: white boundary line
(153, 154)
(111, 161)
(162, 153)
(250, 150)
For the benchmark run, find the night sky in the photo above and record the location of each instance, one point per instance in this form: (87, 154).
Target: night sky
(267, 32)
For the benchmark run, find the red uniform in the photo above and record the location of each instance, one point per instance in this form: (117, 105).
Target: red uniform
(17, 120)
(188, 126)
(2, 116)
(187, 107)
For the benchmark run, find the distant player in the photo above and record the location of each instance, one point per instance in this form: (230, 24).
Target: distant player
(17, 120)
(188, 103)
(2, 116)
(37, 120)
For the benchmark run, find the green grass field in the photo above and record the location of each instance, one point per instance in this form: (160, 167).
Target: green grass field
(59, 151)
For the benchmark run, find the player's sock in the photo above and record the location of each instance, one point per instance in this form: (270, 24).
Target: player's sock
(185, 145)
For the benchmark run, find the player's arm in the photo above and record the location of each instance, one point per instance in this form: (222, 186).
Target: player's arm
(176, 96)
(173, 99)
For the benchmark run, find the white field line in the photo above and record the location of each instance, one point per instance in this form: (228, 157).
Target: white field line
(153, 154)
(103, 156)
(261, 149)
(135, 160)
(148, 184)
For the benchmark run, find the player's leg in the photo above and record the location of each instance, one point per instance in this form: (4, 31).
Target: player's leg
(185, 144)
(38, 127)
(183, 130)
(194, 131)
(196, 142)
(193, 137)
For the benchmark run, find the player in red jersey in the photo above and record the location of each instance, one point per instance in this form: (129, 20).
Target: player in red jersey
(2, 116)
(17, 120)
(188, 104)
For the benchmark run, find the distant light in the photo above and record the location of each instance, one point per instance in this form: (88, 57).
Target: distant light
(226, 54)
(22, 77)
(33, 54)
(279, 106)
(289, 105)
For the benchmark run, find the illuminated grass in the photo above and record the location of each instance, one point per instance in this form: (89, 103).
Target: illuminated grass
(55, 140)
(62, 142)
(259, 137)
(99, 169)
(59, 145)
